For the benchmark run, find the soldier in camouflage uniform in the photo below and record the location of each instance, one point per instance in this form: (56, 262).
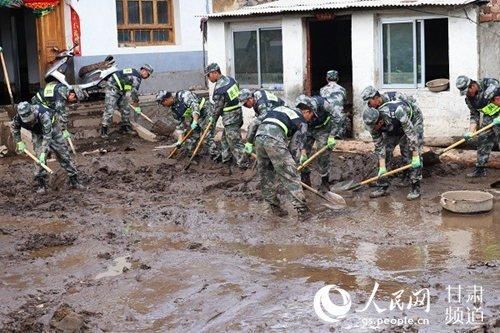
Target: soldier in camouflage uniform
(390, 124)
(260, 101)
(476, 101)
(321, 130)
(336, 96)
(226, 104)
(45, 136)
(55, 95)
(189, 111)
(271, 133)
(117, 86)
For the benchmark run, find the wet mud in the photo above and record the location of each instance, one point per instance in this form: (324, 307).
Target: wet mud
(150, 247)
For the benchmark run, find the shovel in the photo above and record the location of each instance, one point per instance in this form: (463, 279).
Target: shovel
(143, 115)
(34, 158)
(72, 146)
(172, 153)
(312, 158)
(335, 201)
(200, 143)
(7, 82)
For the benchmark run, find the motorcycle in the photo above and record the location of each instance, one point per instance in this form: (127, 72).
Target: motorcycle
(91, 78)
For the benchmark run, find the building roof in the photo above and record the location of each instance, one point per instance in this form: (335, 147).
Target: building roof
(287, 6)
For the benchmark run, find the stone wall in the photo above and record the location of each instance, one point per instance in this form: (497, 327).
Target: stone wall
(490, 12)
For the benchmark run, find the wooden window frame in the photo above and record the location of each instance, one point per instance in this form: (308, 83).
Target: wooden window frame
(170, 26)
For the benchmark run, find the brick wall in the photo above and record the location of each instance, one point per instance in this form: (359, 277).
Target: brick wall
(490, 12)
(225, 5)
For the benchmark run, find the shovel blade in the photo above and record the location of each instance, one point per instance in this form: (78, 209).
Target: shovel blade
(335, 199)
(347, 185)
(430, 158)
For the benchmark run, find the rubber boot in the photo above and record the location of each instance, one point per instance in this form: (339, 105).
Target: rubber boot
(278, 211)
(478, 172)
(303, 214)
(75, 183)
(325, 184)
(104, 132)
(42, 185)
(415, 191)
(305, 177)
(380, 192)
(126, 129)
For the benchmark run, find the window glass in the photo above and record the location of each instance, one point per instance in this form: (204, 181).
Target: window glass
(119, 12)
(398, 53)
(133, 12)
(147, 12)
(162, 9)
(271, 56)
(245, 57)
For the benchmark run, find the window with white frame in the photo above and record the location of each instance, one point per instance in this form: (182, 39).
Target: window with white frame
(258, 57)
(414, 51)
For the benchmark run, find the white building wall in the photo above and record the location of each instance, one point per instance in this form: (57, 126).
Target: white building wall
(294, 56)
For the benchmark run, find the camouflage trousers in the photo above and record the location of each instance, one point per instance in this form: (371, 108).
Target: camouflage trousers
(341, 124)
(59, 147)
(191, 143)
(320, 136)
(415, 175)
(274, 159)
(232, 145)
(486, 142)
(116, 100)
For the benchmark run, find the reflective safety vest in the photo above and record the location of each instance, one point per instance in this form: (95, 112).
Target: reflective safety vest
(267, 98)
(121, 80)
(490, 109)
(230, 92)
(287, 119)
(36, 127)
(180, 109)
(323, 117)
(46, 95)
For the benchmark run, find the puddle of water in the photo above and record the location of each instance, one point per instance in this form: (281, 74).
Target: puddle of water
(116, 268)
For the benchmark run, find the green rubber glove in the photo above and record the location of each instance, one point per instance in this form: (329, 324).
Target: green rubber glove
(42, 158)
(381, 171)
(137, 109)
(21, 147)
(496, 121)
(211, 119)
(194, 124)
(248, 148)
(178, 144)
(303, 158)
(415, 162)
(468, 136)
(66, 134)
(330, 143)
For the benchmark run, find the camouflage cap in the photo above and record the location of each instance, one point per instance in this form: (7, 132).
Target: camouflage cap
(148, 67)
(212, 68)
(368, 92)
(492, 91)
(370, 116)
(332, 75)
(244, 95)
(25, 112)
(463, 83)
(162, 95)
(303, 101)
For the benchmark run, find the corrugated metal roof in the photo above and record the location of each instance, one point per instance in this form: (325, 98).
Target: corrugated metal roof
(284, 6)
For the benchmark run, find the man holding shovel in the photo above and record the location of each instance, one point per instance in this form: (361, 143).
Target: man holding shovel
(260, 100)
(390, 124)
(117, 86)
(45, 136)
(271, 133)
(476, 100)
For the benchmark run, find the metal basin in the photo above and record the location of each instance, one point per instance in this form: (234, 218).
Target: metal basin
(467, 202)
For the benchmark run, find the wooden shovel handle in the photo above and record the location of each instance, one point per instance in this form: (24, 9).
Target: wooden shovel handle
(200, 142)
(458, 143)
(146, 117)
(72, 146)
(312, 158)
(34, 158)
(182, 141)
(387, 174)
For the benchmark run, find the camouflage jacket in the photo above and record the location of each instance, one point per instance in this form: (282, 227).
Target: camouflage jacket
(399, 119)
(325, 116)
(185, 106)
(126, 80)
(264, 101)
(476, 103)
(281, 123)
(42, 125)
(54, 96)
(225, 102)
(335, 94)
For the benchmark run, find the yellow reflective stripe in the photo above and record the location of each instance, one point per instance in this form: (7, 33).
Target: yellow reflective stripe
(127, 71)
(490, 109)
(202, 103)
(324, 123)
(49, 89)
(118, 81)
(233, 92)
(53, 119)
(277, 122)
(127, 87)
(231, 108)
(271, 97)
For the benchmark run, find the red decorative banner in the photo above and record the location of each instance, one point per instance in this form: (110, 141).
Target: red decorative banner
(75, 32)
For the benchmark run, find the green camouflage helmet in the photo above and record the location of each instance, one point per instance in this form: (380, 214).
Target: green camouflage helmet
(463, 83)
(492, 91)
(213, 67)
(162, 95)
(368, 92)
(332, 75)
(303, 101)
(244, 95)
(148, 67)
(370, 116)
(25, 112)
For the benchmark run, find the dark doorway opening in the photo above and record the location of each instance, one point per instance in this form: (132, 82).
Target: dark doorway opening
(437, 65)
(330, 48)
(19, 42)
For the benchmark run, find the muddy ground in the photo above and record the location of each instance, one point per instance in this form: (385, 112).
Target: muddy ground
(152, 248)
